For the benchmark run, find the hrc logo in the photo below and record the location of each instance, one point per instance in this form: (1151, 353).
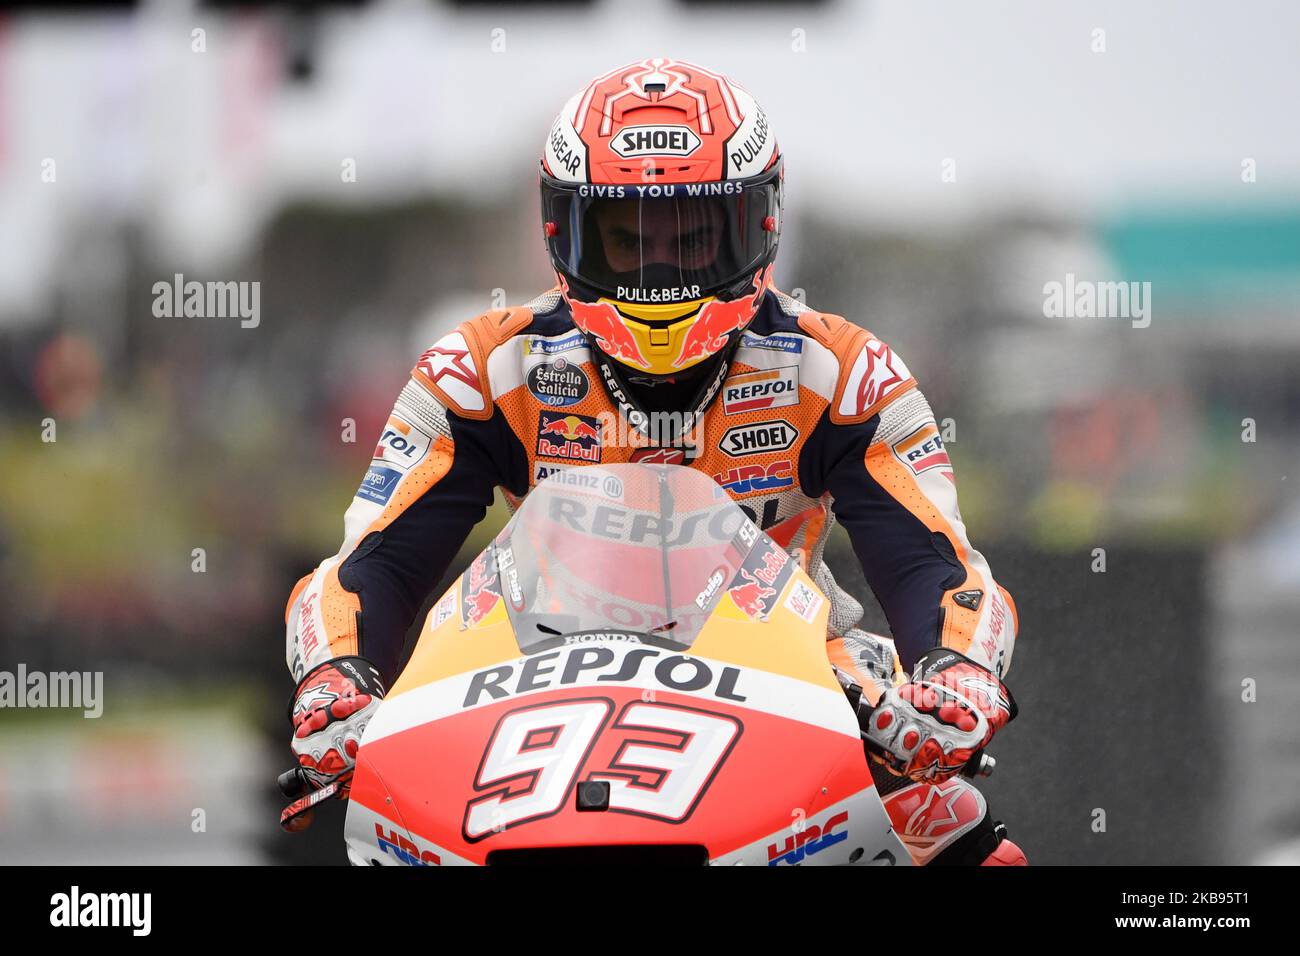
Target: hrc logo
(808, 842)
(749, 478)
(406, 852)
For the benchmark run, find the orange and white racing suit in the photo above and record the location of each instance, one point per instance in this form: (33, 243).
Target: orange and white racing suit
(812, 420)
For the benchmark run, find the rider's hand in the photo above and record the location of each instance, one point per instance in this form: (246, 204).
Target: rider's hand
(928, 728)
(330, 710)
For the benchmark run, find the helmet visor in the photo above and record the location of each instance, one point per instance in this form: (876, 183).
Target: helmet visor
(661, 243)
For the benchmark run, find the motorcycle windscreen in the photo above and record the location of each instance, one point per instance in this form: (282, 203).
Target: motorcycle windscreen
(661, 243)
(632, 548)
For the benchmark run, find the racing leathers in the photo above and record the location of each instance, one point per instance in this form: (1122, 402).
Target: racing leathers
(811, 419)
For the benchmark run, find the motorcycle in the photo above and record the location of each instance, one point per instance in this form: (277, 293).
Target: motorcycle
(631, 672)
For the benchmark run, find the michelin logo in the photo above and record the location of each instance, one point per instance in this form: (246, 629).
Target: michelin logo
(536, 345)
(773, 343)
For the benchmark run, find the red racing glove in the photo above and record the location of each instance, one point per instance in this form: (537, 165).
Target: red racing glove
(330, 710)
(930, 728)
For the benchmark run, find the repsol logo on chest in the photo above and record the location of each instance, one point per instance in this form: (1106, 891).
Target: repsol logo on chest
(655, 140)
(586, 665)
(761, 390)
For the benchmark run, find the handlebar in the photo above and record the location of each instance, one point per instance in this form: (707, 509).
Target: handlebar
(295, 786)
(979, 765)
(291, 783)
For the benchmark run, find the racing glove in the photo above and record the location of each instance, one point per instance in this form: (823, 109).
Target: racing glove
(330, 710)
(932, 727)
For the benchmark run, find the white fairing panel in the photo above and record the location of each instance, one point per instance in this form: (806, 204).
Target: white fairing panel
(373, 840)
(853, 831)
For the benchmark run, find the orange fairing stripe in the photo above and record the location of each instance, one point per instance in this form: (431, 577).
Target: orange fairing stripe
(959, 623)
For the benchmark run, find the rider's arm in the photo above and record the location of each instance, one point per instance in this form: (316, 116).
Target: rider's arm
(441, 455)
(879, 453)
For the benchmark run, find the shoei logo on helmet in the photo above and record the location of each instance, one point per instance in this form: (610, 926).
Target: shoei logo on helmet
(655, 141)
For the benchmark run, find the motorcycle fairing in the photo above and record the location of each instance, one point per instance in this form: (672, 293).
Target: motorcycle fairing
(728, 732)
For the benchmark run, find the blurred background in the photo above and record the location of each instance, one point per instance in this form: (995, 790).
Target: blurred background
(372, 166)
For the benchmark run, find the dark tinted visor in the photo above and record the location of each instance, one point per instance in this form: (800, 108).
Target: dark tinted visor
(670, 237)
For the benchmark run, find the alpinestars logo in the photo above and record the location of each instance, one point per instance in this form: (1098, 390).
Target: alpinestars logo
(665, 456)
(450, 368)
(877, 374)
(313, 697)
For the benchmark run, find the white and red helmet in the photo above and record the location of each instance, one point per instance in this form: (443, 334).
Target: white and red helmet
(661, 207)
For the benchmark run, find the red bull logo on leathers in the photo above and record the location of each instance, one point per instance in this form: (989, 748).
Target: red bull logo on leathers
(575, 437)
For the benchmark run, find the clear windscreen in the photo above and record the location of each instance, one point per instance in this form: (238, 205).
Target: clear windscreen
(634, 551)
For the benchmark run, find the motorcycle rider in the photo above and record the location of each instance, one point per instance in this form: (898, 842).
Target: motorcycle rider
(661, 187)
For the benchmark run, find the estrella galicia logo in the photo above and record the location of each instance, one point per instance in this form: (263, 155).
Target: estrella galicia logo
(378, 484)
(558, 382)
(575, 437)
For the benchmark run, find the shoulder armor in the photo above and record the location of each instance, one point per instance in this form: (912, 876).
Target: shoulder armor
(870, 374)
(454, 369)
